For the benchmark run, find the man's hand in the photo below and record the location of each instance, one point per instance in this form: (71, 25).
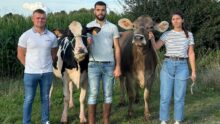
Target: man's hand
(21, 53)
(89, 41)
(117, 72)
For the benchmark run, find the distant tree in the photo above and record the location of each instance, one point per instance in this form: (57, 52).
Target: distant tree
(202, 16)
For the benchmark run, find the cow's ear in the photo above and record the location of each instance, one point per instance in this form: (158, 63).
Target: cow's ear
(93, 30)
(125, 24)
(162, 26)
(96, 30)
(57, 32)
(76, 28)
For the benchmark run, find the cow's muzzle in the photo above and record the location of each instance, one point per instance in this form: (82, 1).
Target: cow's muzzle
(139, 38)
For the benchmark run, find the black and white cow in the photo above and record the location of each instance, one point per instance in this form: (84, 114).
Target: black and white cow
(71, 65)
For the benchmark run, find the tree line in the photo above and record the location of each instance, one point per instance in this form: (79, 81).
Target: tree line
(201, 16)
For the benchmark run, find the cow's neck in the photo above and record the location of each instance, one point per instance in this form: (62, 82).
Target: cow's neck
(139, 57)
(139, 64)
(78, 41)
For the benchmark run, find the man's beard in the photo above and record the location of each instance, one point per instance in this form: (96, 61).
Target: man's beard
(100, 18)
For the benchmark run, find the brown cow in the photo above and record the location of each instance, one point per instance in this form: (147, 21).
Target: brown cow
(138, 58)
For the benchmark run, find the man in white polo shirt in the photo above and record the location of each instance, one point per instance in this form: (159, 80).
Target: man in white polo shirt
(36, 50)
(104, 62)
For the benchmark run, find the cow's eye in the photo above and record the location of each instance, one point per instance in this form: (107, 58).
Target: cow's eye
(134, 27)
(149, 28)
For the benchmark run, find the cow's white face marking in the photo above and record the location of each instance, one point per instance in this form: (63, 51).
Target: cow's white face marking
(76, 28)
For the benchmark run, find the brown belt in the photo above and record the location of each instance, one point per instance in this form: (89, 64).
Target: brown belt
(175, 58)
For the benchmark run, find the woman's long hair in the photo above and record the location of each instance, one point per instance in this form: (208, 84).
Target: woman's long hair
(183, 24)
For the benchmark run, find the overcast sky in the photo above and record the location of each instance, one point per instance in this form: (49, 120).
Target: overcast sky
(25, 7)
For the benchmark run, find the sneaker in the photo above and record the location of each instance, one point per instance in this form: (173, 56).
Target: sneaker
(47, 122)
(163, 122)
(177, 122)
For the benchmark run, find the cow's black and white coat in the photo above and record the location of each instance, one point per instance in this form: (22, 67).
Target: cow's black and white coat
(71, 66)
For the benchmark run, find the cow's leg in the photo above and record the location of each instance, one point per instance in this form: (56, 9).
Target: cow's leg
(71, 103)
(50, 94)
(147, 91)
(82, 97)
(137, 99)
(122, 91)
(66, 94)
(131, 93)
(146, 104)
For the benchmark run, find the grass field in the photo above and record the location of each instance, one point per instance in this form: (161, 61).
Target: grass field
(201, 108)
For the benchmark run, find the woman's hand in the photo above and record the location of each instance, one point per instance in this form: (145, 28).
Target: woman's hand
(151, 36)
(193, 76)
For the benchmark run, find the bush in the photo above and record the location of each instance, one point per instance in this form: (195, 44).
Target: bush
(201, 17)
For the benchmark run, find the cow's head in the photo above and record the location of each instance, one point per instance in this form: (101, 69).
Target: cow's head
(141, 27)
(72, 44)
(77, 34)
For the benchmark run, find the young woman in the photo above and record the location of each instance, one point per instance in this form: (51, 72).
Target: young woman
(179, 45)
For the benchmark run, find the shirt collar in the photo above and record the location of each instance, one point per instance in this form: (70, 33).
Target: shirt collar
(44, 32)
(105, 22)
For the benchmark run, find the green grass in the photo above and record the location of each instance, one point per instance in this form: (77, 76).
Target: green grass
(201, 108)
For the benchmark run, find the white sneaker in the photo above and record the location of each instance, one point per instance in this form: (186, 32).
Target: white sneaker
(163, 122)
(47, 122)
(177, 122)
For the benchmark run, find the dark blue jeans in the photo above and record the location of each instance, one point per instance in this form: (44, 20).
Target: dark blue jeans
(30, 85)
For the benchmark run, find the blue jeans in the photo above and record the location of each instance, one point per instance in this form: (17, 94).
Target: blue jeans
(100, 72)
(30, 85)
(173, 76)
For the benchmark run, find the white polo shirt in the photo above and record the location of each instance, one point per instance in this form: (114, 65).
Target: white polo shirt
(38, 46)
(102, 46)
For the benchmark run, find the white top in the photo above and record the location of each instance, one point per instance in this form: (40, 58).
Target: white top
(38, 46)
(102, 46)
(176, 43)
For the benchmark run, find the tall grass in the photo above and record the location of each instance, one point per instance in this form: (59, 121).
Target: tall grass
(208, 68)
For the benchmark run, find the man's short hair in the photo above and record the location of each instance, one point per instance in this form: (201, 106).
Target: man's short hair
(101, 3)
(39, 11)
